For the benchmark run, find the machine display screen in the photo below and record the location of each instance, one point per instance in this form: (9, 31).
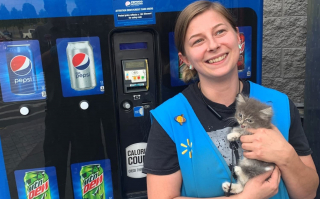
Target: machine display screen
(133, 46)
(134, 64)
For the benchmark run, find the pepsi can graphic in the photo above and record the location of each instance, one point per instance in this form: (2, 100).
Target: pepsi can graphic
(21, 69)
(81, 65)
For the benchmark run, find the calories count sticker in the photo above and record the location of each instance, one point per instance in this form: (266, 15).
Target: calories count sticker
(135, 158)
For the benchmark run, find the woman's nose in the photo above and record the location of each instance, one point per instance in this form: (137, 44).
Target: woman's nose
(213, 45)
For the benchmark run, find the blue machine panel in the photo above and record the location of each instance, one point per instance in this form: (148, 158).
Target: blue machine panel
(3, 180)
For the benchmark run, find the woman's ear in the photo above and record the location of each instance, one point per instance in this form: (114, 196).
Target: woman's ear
(184, 58)
(238, 36)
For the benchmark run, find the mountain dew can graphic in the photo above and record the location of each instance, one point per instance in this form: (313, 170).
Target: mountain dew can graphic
(92, 182)
(37, 185)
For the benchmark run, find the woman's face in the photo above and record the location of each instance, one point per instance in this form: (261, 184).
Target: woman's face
(211, 45)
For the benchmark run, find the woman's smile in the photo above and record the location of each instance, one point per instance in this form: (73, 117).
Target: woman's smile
(217, 59)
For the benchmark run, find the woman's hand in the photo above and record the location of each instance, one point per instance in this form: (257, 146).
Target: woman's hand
(262, 186)
(266, 145)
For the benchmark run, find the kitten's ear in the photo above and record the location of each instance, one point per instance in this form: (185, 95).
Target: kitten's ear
(240, 99)
(266, 113)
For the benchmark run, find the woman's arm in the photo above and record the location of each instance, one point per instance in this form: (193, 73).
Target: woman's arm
(298, 172)
(168, 186)
(300, 176)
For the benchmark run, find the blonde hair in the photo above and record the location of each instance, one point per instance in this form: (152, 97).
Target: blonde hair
(188, 74)
(182, 24)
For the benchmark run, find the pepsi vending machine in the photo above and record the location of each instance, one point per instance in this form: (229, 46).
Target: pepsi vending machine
(78, 80)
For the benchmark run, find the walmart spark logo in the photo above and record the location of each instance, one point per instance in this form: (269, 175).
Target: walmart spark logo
(188, 148)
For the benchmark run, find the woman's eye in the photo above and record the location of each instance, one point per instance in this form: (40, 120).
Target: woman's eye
(197, 41)
(220, 32)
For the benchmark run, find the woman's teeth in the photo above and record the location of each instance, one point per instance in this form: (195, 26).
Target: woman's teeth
(217, 59)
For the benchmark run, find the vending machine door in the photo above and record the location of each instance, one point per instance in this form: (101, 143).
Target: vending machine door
(136, 79)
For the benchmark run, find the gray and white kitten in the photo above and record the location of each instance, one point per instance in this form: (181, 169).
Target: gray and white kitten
(250, 113)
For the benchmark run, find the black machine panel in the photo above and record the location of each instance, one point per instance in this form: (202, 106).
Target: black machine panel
(135, 68)
(57, 133)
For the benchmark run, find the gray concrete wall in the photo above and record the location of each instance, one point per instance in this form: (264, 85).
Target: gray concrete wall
(284, 46)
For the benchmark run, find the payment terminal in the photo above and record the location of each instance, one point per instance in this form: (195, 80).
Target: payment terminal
(135, 75)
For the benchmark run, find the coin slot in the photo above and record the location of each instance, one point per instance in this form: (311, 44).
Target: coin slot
(127, 105)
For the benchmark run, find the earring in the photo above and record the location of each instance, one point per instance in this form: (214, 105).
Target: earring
(190, 67)
(239, 46)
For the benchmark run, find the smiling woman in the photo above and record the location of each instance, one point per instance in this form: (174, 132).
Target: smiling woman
(188, 154)
(183, 22)
(211, 46)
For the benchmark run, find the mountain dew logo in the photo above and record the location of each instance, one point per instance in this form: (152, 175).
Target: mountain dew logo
(92, 182)
(37, 185)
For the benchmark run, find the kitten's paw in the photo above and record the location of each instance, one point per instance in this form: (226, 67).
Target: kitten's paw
(226, 186)
(242, 177)
(269, 168)
(233, 136)
(237, 170)
(235, 188)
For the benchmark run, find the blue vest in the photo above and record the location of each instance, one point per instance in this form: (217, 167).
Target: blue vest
(202, 167)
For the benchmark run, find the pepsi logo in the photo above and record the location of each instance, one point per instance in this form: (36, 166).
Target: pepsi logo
(127, 3)
(21, 65)
(242, 47)
(81, 61)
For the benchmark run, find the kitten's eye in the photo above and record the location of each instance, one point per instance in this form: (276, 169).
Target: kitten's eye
(248, 120)
(240, 115)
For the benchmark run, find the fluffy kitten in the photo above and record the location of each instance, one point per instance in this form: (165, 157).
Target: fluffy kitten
(250, 113)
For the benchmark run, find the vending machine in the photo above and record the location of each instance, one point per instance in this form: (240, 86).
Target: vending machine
(78, 80)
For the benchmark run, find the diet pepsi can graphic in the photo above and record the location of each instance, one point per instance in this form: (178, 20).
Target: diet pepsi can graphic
(81, 65)
(20, 67)
(37, 183)
(21, 72)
